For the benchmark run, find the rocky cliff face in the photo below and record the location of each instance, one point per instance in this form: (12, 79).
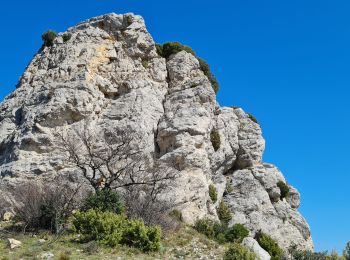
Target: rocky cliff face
(109, 73)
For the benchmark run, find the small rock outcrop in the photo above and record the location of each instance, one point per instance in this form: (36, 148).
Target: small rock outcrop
(13, 243)
(110, 74)
(254, 246)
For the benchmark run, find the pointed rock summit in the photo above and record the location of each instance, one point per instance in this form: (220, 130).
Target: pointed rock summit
(105, 73)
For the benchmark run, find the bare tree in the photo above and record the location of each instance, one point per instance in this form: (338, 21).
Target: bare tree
(115, 160)
(110, 160)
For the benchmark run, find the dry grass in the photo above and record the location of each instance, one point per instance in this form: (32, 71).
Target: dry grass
(185, 243)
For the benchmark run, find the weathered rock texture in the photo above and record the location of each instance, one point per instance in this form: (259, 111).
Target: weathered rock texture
(110, 74)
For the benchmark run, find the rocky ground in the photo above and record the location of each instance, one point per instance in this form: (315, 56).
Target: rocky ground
(185, 243)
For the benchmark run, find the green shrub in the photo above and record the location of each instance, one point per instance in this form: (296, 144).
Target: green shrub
(220, 231)
(270, 245)
(215, 139)
(48, 38)
(105, 200)
(105, 227)
(111, 229)
(207, 72)
(220, 238)
(171, 48)
(66, 37)
(236, 233)
(176, 214)
(251, 117)
(159, 49)
(206, 227)
(224, 213)
(138, 235)
(284, 189)
(238, 252)
(213, 194)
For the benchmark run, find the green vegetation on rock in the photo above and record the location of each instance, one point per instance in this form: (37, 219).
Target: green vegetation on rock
(236, 233)
(170, 48)
(224, 213)
(253, 118)
(205, 226)
(270, 245)
(48, 38)
(213, 193)
(284, 189)
(66, 37)
(215, 139)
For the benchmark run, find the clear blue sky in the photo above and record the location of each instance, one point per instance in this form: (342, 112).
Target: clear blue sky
(287, 62)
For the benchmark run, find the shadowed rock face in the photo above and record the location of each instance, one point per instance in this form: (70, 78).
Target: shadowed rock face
(110, 75)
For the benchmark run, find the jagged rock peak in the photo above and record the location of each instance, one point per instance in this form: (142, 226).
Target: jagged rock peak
(108, 77)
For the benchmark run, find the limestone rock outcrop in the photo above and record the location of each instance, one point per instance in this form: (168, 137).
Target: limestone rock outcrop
(110, 74)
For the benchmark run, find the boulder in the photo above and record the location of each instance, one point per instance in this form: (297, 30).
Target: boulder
(13, 243)
(254, 246)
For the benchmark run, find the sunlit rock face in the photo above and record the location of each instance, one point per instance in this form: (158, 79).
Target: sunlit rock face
(110, 75)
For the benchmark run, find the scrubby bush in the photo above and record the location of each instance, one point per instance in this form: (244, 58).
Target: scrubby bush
(48, 38)
(143, 203)
(207, 72)
(45, 207)
(238, 252)
(270, 245)
(111, 229)
(105, 200)
(171, 48)
(251, 117)
(215, 139)
(213, 193)
(224, 213)
(104, 227)
(66, 37)
(136, 234)
(176, 214)
(159, 49)
(236, 233)
(206, 227)
(284, 189)
(221, 232)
